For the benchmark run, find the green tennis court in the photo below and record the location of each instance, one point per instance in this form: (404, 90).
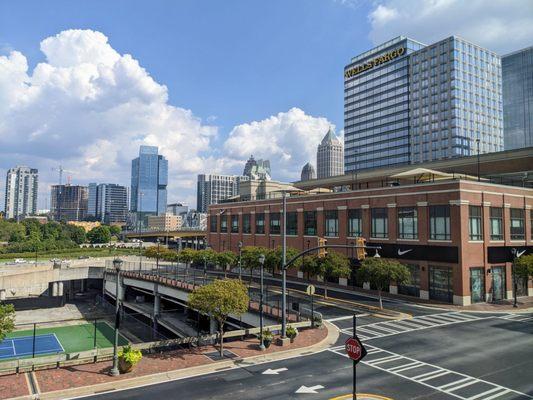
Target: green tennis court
(76, 338)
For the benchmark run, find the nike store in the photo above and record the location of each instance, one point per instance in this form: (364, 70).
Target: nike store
(458, 237)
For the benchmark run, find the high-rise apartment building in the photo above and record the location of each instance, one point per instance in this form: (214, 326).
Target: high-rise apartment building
(21, 192)
(149, 178)
(517, 77)
(177, 209)
(213, 188)
(407, 103)
(69, 202)
(107, 202)
(329, 156)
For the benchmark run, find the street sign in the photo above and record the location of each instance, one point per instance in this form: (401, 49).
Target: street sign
(310, 290)
(355, 349)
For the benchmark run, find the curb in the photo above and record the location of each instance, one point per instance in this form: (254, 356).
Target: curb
(162, 377)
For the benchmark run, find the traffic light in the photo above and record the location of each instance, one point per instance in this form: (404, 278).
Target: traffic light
(360, 249)
(323, 252)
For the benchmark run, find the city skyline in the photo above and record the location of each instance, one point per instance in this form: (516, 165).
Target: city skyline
(198, 136)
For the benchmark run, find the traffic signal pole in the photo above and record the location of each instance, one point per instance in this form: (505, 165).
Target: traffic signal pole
(354, 396)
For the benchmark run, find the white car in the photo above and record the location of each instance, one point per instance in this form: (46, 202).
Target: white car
(20, 261)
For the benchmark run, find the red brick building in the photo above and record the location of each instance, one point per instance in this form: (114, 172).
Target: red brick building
(458, 237)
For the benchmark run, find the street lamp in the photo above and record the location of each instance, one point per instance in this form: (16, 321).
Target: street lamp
(240, 264)
(117, 264)
(261, 263)
(205, 263)
(284, 270)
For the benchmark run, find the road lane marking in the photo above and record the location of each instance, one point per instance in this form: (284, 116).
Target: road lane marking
(347, 317)
(461, 381)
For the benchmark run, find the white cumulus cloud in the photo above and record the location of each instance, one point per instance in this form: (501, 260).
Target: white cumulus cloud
(499, 25)
(89, 107)
(288, 139)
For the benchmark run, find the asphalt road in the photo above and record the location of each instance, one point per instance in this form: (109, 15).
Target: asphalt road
(433, 356)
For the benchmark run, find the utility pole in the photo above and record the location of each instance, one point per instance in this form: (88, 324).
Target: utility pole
(284, 270)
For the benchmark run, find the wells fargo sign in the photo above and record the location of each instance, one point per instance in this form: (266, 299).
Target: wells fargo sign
(391, 55)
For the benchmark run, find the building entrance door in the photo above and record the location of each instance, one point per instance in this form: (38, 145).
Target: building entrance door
(498, 283)
(477, 285)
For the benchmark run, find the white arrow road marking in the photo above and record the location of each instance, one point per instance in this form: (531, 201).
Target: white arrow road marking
(273, 371)
(310, 389)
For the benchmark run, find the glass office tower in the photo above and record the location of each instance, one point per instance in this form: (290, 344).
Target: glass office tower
(149, 178)
(407, 103)
(376, 106)
(517, 75)
(455, 100)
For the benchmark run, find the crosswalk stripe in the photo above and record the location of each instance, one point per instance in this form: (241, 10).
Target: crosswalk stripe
(428, 378)
(406, 367)
(453, 383)
(372, 362)
(389, 359)
(463, 385)
(416, 378)
(498, 394)
(477, 396)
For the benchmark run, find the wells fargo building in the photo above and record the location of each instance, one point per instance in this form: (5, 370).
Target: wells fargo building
(457, 236)
(408, 103)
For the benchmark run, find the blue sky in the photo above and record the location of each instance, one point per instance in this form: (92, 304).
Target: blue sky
(207, 81)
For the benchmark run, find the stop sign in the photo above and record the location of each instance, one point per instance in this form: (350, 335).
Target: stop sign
(355, 349)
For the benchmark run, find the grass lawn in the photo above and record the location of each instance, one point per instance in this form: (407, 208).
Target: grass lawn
(76, 338)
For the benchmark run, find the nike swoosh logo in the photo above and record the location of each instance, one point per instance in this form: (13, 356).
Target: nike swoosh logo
(518, 254)
(401, 253)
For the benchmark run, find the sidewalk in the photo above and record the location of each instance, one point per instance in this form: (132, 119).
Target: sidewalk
(88, 379)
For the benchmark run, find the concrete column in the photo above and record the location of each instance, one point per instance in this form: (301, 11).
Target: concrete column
(157, 305)
(60, 288)
(82, 285)
(213, 326)
(54, 289)
(2, 294)
(71, 289)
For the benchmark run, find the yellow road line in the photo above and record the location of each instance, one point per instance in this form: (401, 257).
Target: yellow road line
(361, 396)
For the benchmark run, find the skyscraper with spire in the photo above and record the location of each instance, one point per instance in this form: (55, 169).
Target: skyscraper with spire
(330, 156)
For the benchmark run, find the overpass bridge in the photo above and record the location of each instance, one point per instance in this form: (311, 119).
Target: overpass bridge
(195, 238)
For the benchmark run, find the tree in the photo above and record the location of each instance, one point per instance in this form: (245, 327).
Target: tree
(115, 230)
(335, 265)
(99, 234)
(310, 266)
(7, 319)
(250, 258)
(187, 255)
(523, 267)
(380, 272)
(225, 259)
(219, 299)
(273, 258)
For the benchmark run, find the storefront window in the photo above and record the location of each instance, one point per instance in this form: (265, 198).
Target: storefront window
(292, 223)
(412, 286)
(355, 223)
(260, 223)
(380, 225)
(440, 283)
(475, 223)
(331, 226)
(223, 223)
(517, 224)
(310, 223)
(439, 223)
(213, 221)
(407, 223)
(496, 223)
(275, 225)
(246, 226)
(477, 285)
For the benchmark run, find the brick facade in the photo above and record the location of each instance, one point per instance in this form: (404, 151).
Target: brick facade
(447, 256)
